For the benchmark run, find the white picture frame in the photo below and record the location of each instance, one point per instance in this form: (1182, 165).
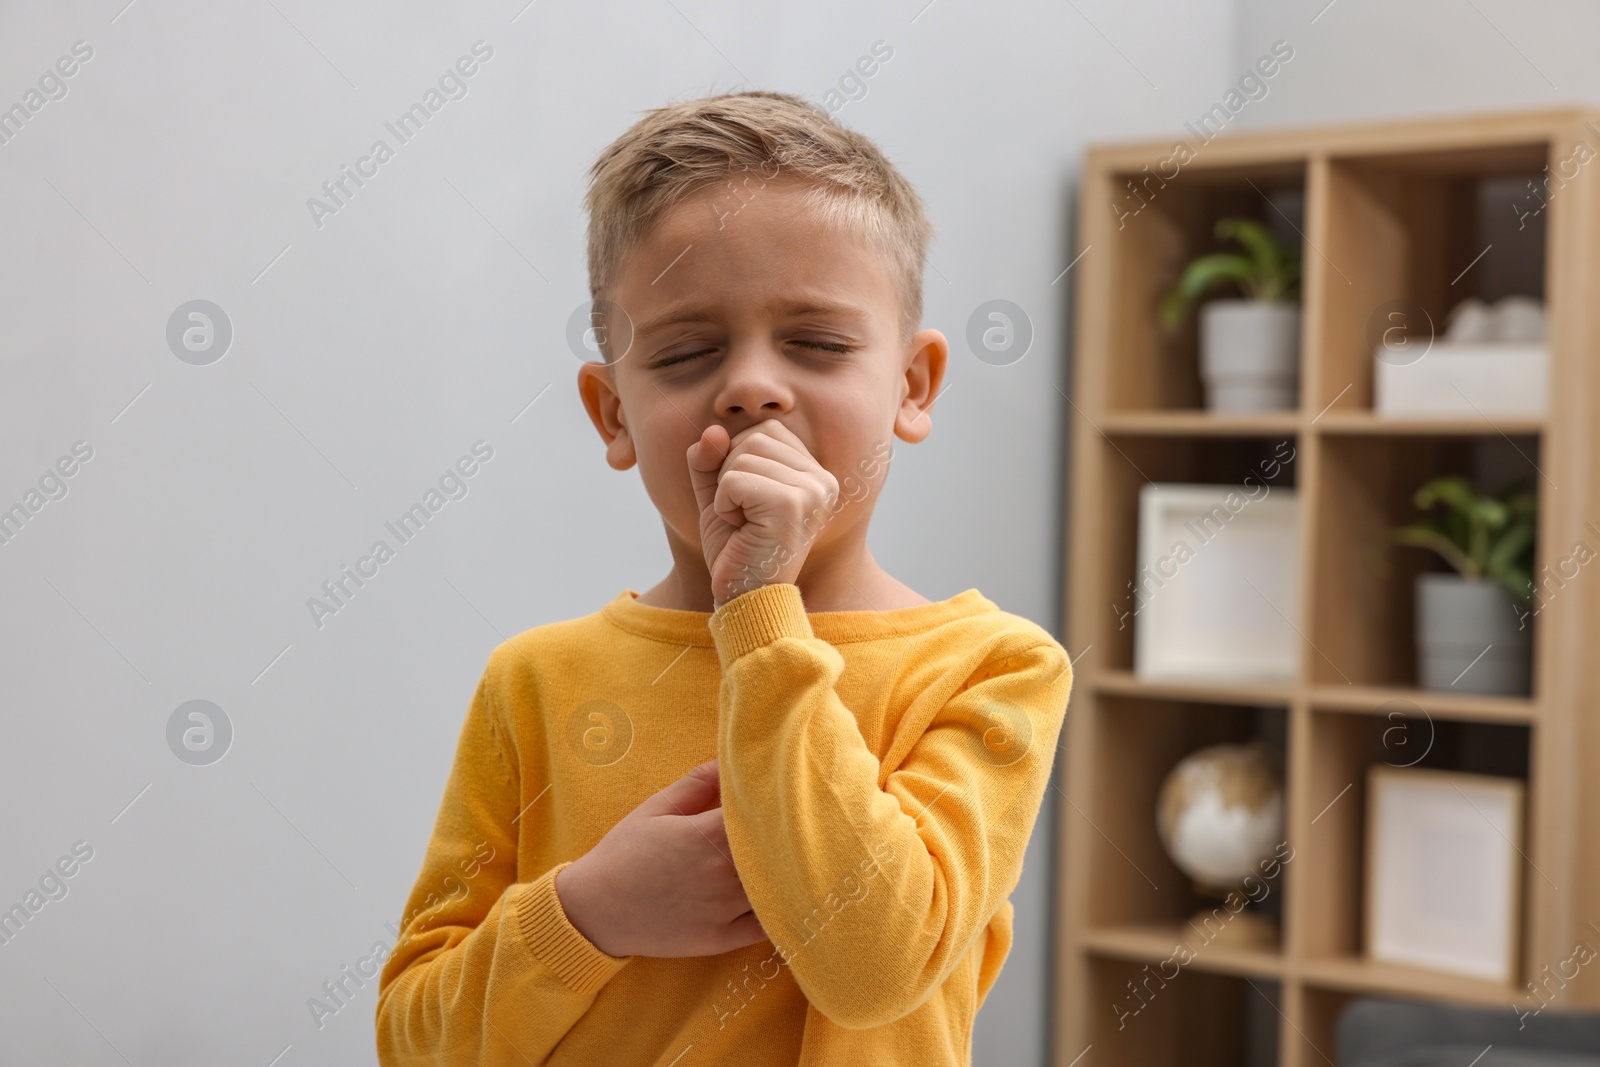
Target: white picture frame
(1216, 598)
(1444, 872)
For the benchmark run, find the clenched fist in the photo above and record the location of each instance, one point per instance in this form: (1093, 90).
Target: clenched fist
(758, 495)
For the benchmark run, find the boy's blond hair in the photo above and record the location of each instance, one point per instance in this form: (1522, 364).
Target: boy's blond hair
(742, 140)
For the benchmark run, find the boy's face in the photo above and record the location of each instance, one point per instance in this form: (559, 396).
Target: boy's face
(745, 308)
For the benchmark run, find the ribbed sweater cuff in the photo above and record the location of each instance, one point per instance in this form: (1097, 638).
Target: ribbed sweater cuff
(757, 618)
(559, 944)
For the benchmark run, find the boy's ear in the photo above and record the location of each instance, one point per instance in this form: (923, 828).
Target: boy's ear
(929, 352)
(597, 385)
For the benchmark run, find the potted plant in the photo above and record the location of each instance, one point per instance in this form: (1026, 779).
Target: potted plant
(1250, 347)
(1470, 626)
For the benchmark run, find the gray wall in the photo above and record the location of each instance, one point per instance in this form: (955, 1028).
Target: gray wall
(368, 354)
(1358, 59)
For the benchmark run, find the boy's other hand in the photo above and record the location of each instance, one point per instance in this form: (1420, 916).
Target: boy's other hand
(662, 881)
(755, 495)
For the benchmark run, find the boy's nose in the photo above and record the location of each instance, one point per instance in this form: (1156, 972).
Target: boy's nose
(753, 384)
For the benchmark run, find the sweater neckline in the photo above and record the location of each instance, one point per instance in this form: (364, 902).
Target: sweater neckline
(682, 627)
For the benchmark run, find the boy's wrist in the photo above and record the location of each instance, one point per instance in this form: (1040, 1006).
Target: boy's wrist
(734, 594)
(573, 896)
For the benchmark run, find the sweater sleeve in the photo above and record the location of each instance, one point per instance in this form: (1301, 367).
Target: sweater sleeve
(874, 887)
(485, 969)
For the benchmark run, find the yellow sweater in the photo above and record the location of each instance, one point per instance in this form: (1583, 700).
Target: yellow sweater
(880, 776)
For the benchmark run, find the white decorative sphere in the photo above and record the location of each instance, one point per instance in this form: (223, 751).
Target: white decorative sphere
(1220, 814)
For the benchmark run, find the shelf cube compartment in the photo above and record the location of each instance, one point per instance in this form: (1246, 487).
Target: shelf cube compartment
(1150, 1015)
(1363, 586)
(1254, 467)
(1330, 864)
(1137, 886)
(1416, 234)
(1158, 225)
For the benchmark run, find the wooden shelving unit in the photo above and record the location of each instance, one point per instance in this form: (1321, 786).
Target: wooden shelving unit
(1384, 213)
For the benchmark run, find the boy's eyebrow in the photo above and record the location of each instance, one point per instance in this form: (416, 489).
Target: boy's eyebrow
(686, 312)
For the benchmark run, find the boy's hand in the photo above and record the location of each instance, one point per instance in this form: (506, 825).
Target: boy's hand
(662, 881)
(755, 495)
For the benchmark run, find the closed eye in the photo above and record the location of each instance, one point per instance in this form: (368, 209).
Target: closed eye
(829, 346)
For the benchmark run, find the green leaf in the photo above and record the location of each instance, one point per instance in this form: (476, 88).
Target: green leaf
(1199, 277)
(1520, 503)
(1291, 279)
(1518, 581)
(1277, 264)
(1487, 535)
(1264, 249)
(1451, 490)
(1269, 271)
(1475, 515)
(1424, 535)
(1509, 548)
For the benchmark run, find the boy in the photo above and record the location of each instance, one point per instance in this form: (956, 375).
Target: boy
(770, 810)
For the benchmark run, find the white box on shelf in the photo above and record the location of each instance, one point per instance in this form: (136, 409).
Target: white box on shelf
(1463, 378)
(1217, 593)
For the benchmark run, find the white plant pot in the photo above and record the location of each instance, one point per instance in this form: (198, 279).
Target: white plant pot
(1471, 637)
(1250, 355)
